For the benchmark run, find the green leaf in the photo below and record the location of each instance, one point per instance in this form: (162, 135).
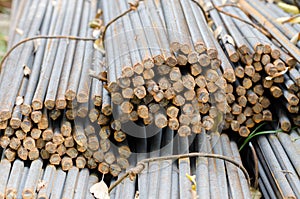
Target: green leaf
(255, 133)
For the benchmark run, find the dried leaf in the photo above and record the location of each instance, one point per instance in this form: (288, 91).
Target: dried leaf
(26, 70)
(95, 23)
(282, 19)
(98, 44)
(228, 39)
(99, 13)
(193, 180)
(36, 44)
(19, 100)
(194, 185)
(96, 33)
(277, 74)
(295, 38)
(255, 193)
(218, 31)
(293, 19)
(19, 31)
(100, 190)
(288, 8)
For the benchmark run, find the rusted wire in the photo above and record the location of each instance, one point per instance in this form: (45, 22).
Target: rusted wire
(202, 9)
(133, 7)
(290, 18)
(41, 37)
(141, 165)
(219, 9)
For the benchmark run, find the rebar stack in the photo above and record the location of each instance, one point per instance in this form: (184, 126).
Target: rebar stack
(37, 180)
(164, 72)
(278, 164)
(290, 85)
(262, 70)
(214, 177)
(59, 113)
(171, 76)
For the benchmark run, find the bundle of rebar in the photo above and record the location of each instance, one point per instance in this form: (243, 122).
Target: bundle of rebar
(256, 70)
(51, 108)
(165, 72)
(38, 180)
(173, 77)
(262, 66)
(171, 71)
(84, 146)
(278, 164)
(172, 74)
(289, 87)
(214, 178)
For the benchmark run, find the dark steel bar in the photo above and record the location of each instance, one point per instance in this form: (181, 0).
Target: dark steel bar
(291, 151)
(171, 26)
(175, 181)
(275, 168)
(79, 55)
(35, 172)
(194, 30)
(141, 149)
(166, 165)
(68, 23)
(6, 105)
(83, 90)
(160, 31)
(48, 179)
(68, 62)
(93, 179)
(70, 184)
(58, 184)
(214, 176)
(185, 185)
(154, 167)
(81, 186)
(220, 166)
(48, 24)
(5, 166)
(243, 180)
(285, 163)
(233, 176)
(22, 181)
(47, 66)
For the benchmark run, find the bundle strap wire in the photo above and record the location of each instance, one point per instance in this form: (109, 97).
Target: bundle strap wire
(140, 166)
